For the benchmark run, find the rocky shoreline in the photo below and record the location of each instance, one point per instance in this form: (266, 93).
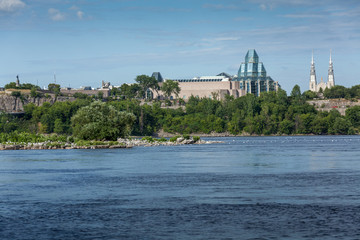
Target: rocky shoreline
(120, 143)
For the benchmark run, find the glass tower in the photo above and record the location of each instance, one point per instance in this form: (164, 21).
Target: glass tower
(252, 75)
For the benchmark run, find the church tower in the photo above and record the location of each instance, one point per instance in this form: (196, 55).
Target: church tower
(313, 83)
(331, 79)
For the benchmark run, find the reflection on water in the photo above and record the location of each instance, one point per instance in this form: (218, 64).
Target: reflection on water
(246, 188)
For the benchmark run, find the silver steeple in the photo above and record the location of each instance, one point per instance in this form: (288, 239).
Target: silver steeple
(331, 79)
(312, 83)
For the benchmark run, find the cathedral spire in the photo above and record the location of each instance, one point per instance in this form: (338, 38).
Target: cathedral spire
(312, 83)
(331, 79)
(312, 57)
(330, 57)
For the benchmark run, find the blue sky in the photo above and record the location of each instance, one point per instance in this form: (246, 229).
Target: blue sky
(86, 41)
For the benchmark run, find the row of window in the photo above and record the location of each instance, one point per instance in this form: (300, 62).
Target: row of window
(198, 80)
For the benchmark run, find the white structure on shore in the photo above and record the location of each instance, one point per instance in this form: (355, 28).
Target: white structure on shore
(316, 87)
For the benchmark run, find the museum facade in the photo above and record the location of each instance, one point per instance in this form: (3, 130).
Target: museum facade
(251, 78)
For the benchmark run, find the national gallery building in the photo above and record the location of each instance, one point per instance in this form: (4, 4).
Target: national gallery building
(251, 78)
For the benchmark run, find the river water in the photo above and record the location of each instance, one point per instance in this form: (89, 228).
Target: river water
(305, 187)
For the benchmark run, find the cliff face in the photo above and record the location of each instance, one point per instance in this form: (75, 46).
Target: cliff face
(339, 104)
(11, 104)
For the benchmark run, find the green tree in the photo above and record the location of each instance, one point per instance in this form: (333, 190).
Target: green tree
(100, 121)
(353, 115)
(55, 88)
(236, 124)
(34, 92)
(296, 93)
(16, 94)
(354, 91)
(286, 126)
(169, 87)
(309, 95)
(115, 91)
(100, 95)
(29, 86)
(11, 85)
(342, 126)
(80, 95)
(303, 123)
(129, 91)
(336, 92)
(145, 82)
(321, 123)
(58, 126)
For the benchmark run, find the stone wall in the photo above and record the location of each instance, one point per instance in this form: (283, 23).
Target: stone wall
(10, 104)
(339, 104)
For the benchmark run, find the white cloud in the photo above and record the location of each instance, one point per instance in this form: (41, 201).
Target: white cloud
(221, 7)
(74, 8)
(272, 3)
(11, 5)
(304, 16)
(220, 39)
(263, 7)
(56, 15)
(80, 14)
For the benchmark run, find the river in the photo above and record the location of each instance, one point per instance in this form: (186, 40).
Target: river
(301, 187)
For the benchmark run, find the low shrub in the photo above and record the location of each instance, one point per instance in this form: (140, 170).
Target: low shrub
(162, 140)
(173, 139)
(196, 138)
(148, 139)
(186, 136)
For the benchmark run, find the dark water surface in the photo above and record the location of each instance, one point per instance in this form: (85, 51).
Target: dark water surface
(246, 188)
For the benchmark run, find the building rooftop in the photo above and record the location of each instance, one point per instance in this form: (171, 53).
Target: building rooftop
(252, 67)
(218, 78)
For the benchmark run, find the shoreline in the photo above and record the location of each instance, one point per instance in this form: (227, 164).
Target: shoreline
(134, 141)
(120, 143)
(227, 134)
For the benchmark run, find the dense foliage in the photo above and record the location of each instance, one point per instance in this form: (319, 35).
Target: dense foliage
(169, 87)
(12, 85)
(342, 92)
(145, 82)
(100, 121)
(271, 113)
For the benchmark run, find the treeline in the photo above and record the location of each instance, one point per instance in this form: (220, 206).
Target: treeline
(271, 113)
(339, 91)
(141, 88)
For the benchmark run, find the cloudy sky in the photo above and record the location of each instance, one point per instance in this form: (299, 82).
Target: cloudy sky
(86, 41)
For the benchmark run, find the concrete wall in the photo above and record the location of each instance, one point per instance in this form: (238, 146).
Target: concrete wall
(206, 89)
